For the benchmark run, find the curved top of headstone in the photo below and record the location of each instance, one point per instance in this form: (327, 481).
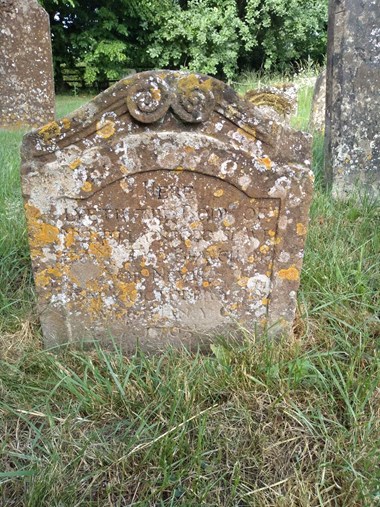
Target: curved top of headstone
(148, 97)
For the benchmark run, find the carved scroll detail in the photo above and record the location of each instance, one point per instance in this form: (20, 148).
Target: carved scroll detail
(148, 100)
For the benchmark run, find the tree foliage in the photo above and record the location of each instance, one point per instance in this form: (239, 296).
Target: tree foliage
(217, 37)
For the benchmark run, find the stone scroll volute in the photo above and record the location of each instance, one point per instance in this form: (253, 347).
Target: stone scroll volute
(165, 211)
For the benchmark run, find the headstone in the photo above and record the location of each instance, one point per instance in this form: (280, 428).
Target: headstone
(278, 101)
(318, 107)
(352, 140)
(166, 210)
(26, 69)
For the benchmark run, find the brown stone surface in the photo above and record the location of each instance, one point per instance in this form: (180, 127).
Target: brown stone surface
(26, 69)
(352, 137)
(166, 210)
(318, 107)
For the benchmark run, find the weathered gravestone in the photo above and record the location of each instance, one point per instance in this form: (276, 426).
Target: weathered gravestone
(26, 69)
(352, 140)
(318, 107)
(166, 211)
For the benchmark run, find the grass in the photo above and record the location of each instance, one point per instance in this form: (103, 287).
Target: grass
(288, 423)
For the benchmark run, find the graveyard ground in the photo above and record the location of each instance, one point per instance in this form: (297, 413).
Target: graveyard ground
(288, 423)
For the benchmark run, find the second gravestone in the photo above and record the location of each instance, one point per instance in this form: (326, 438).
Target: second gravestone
(26, 67)
(166, 210)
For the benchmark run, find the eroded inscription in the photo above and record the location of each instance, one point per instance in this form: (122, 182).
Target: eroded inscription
(142, 245)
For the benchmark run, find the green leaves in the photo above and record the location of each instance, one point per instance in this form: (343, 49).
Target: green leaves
(217, 37)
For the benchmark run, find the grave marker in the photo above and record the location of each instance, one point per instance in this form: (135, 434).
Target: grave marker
(26, 69)
(352, 138)
(166, 210)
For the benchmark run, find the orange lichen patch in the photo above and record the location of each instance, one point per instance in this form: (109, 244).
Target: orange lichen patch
(243, 281)
(76, 163)
(179, 168)
(187, 243)
(70, 237)
(234, 306)
(226, 223)
(291, 274)
(145, 272)
(105, 129)
(276, 241)
(44, 233)
(128, 292)
(87, 186)
(49, 131)
(143, 262)
(99, 248)
(265, 301)
(251, 259)
(66, 123)
(301, 229)
(206, 283)
(194, 225)
(184, 270)
(179, 284)
(266, 161)
(45, 276)
(32, 213)
(264, 249)
(189, 149)
(271, 233)
(219, 192)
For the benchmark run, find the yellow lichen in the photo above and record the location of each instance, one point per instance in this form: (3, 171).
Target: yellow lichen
(194, 225)
(243, 281)
(265, 301)
(49, 131)
(179, 284)
(290, 274)
(206, 283)
(145, 272)
(219, 192)
(226, 223)
(271, 233)
(87, 186)
(301, 229)
(66, 123)
(264, 249)
(184, 270)
(70, 237)
(251, 259)
(128, 292)
(187, 243)
(99, 248)
(213, 251)
(105, 129)
(75, 164)
(44, 277)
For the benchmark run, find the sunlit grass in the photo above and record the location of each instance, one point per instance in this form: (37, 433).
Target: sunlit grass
(294, 422)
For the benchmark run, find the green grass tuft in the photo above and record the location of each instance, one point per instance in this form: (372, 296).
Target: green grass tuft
(286, 423)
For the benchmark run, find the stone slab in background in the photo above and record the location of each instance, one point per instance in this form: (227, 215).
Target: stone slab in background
(167, 211)
(26, 69)
(278, 101)
(318, 107)
(352, 140)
